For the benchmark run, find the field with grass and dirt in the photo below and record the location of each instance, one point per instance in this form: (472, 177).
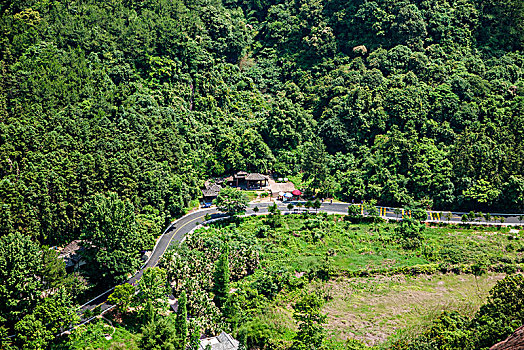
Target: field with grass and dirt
(379, 285)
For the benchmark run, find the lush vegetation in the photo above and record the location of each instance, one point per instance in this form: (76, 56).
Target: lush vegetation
(113, 113)
(270, 268)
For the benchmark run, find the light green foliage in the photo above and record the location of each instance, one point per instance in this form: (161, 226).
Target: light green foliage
(370, 207)
(482, 192)
(92, 336)
(354, 210)
(152, 288)
(115, 241)
(412, 100)
(231, 201)
(122, 296)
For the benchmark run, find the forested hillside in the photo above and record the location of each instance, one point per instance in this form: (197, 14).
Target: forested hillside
(399, 101)
(113, 113)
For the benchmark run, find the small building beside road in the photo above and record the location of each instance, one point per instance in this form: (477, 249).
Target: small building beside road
(221, 342)
(242, 179)
(71, 254)
(276, 188)
(210, 192)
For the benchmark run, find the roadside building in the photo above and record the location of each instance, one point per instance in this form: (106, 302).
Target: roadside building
(221, 342)
(71, 254)
(256, 180)
(247, 180)
(276, 188)
(211, 191)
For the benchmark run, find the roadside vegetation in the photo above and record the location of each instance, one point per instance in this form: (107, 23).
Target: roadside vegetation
(374, 289)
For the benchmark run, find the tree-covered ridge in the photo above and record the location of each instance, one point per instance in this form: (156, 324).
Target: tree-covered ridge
(413, 101)
(112, 113)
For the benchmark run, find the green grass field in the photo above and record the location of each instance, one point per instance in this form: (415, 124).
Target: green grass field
(102, 335)
(300, 243)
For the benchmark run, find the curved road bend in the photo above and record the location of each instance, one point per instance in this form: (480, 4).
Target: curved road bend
(178, 230)
(175, 233)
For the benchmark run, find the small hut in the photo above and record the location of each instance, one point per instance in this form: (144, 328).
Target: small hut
(256, 180)
(211, 192)
(221, 342)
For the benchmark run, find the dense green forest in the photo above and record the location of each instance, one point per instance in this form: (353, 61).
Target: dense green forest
(399, 101)
(113, 113)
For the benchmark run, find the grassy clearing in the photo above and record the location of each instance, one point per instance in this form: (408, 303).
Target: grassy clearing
(93, 336)
(379, 308)
(386, 305)
(301, 243)
(252, 195)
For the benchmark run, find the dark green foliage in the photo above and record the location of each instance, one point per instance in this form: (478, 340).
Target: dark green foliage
(159, 335)
(153, 290)
(495, 321)
(308, 314)
(274, 219)
(20, 266)
(502, 314)
(354, 211)
(409, 233)
(181, 322)
(221, 279)
(36, 294)
(122, 296)
(111, 228)
(111, 114)
(411, 101)
(447, 331)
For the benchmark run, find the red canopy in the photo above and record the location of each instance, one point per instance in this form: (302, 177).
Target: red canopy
(296, 193)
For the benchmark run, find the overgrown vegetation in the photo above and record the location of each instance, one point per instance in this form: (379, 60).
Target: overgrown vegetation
(113, 113)
(271, 267)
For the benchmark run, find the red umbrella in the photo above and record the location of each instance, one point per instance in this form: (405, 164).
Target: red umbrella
(296, 193)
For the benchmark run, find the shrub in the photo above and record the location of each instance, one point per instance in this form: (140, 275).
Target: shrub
(409, 234)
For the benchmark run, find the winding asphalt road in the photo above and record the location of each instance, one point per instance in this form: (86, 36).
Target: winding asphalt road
(176, 232)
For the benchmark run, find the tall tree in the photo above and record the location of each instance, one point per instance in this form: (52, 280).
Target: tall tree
(112, 239)
(122, 296)
(158, 334)
(21, 271)
(315, 163)
(221, 279)
(181, 322)
(152, 288)
(231, 201)
(307, 312)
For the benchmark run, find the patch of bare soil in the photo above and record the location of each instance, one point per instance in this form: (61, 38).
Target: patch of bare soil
(372, 309)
